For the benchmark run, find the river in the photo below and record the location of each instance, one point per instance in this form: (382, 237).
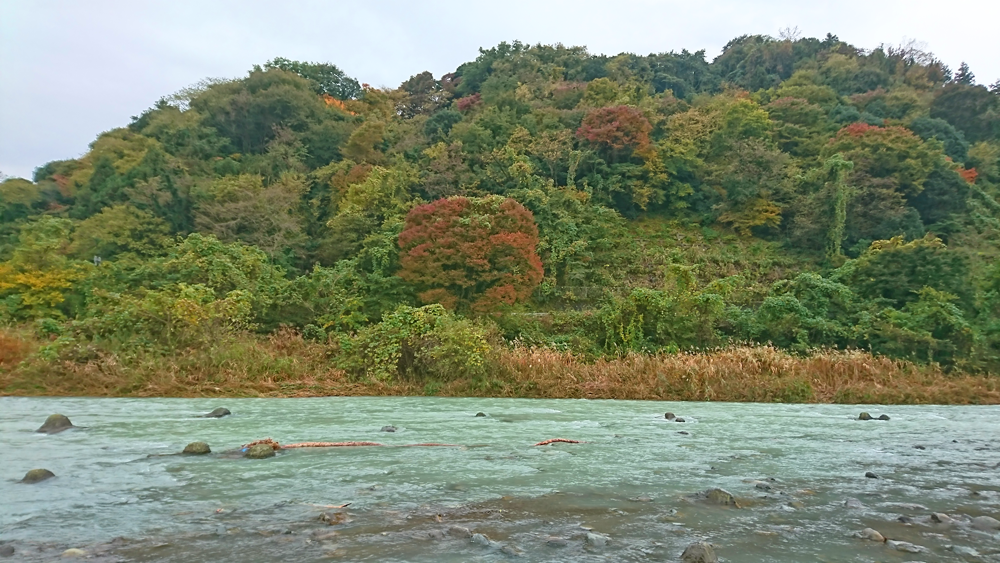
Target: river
(797, 471)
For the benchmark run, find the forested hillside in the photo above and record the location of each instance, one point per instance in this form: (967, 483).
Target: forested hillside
(804, 193)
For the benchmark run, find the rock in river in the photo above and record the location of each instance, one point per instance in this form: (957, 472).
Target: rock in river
(865, 416)
(871, 475)
(37, 476)
(259, 451)
(55, 423)
(480, 414)
(883, 417)
(6, 551)
(197, 448)
(669, 416)
(871, 535)
(218, 413)
(74, 553)
(389, 428)
(721, 496)
(596, 540)
(481, 539)
(699, 552)
(986, 523)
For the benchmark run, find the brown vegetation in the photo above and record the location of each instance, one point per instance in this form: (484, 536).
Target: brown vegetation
(285, 365)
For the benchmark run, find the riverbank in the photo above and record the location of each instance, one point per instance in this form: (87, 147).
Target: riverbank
(285, 365)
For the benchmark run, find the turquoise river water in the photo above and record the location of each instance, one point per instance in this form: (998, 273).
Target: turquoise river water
(798, 472)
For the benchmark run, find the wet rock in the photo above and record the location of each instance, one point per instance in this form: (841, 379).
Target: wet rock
(596, 540)
(669, 415)
(197, 448)
(699, 552)
(480, 414)
(985, 523)
(481, 539)
(871, 475)
(54, 424)
(683, 432)
(37, 476)
(864, 416)
(883, 417)
(389, 428)
(721, 496)
(679, 419)
(459, 532)
(218, 413)
(942, 518)
(919, 447)
(762, 485)
(905, 546)
(854, 504)
(871, 534)
(511, 551)
(905, 520)
(74, 553)
(333, 518)
(643, 498)
(6, 551)
(436, 535)
(555, 541)
(259, 451)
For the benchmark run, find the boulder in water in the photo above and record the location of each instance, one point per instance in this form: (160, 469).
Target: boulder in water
(218, 413)
(721, 496)
(905, 546)
(481, 539)
(854, 504)
(871, 535)
(480, 414)
(865, 416)
(459, 532)
(871, 475)
(596, 540)
(389, 428)
(6, 551)
(699, 552)
(55, 423)
(883, 417)
(74, 553)
(37, 476)
(197, 448)
(669, 416)
(679, 419)
(556, 541)
(986, 523)
(942, 518)
(259, 451)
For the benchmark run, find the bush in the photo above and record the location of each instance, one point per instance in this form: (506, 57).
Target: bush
(422, 343)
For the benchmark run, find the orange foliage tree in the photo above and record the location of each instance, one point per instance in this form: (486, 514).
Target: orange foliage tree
(476, 253)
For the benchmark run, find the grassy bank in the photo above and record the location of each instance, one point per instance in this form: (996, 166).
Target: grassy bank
(285, 365)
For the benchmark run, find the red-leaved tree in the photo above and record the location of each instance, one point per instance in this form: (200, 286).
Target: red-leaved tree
(476, 253)
(616, 128)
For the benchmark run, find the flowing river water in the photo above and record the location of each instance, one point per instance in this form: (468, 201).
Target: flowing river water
(797, 471)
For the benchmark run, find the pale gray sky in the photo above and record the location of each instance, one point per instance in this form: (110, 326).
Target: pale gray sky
(72, 69)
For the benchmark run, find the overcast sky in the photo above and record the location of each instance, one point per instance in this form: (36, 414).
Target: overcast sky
(72, 69)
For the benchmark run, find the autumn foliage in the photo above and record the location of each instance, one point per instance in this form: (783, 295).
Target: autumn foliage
(616, 127)
(476, 253)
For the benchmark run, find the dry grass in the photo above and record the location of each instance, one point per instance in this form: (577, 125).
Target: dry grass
(285, 365)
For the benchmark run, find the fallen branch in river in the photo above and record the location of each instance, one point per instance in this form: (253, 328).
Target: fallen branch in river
(554, 440)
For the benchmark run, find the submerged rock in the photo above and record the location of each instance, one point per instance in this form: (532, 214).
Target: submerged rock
(37, 476)
(986, 523)
(871, 475)
(942, 518)
(218, 413)
(480, 414)
(679, 419)
(864, 416)
(6, 551)
(197, 448)
(481, 539)
(699, 552)
(962, 550)
(389, 428)
(54, 424)
(555, 541)
(905, 546)
(259, 451)
(883, 417)
(459, 532)
(854, 504)
(511, 551)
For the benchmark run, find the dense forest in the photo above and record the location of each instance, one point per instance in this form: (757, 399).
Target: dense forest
(799, 194)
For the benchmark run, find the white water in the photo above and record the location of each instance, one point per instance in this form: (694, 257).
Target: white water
(631, 481)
